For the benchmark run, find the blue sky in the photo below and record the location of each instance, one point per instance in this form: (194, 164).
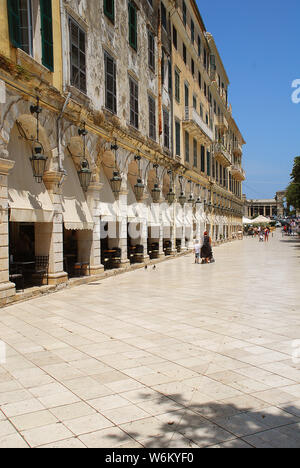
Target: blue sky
(258, 41)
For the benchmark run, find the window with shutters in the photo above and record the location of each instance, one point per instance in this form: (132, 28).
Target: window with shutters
(184, 12)
(151, 50)
(175, 37)
(20, 24)
(195, 153)
(134, 103)
(208, 168)
(47, 34)
(177, 137)
(193, 67)
(109, 9)
(202, 158)
(77, 56)
(166, 129)
(177, 86)
(184, 53)
(199, 80)
(110, 83)
(187, 147)
(152, 118)
(192, 31)
(199, 46)
(132, 24)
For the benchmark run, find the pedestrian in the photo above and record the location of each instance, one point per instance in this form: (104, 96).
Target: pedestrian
(197, 248)
(206, 251)
(266, 232)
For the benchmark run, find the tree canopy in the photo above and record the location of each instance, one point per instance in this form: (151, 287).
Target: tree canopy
(293, 190)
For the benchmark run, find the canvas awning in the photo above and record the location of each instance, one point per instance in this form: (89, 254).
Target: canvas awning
(28, 200)
(76, 213)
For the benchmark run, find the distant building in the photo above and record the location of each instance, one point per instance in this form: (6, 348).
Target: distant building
(265, 207)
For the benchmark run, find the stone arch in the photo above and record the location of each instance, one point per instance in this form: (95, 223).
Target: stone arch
(17, 109)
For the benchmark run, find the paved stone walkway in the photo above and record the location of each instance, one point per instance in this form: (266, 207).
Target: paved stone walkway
(182, 356)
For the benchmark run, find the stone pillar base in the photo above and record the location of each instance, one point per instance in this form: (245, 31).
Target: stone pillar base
(56, 278)
(97, 270)
(7, 290)
(124, 263)
(161, 255)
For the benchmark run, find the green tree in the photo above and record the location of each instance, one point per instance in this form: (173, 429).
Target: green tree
(293, 190)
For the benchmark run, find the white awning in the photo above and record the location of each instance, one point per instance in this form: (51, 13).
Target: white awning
(28, 200)
(153, 215)
(76, 214)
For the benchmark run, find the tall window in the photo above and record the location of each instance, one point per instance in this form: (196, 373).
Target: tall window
(195, 153)
(47, 34)
(193, 67)
(163, 16)
(77, 53)
(20, 24)
(166, 129)
(199, 80)
(109, 9)
(110, 83)
(187, 147)
(199, 46)
(184, 12)
(208, 163)
(134, 103)
(192, 31)
(177, 86)
(175, 37)
(132, 25)
(151, 50)
(152, 118)
(202, 158)
(177, 137)
(184, 53)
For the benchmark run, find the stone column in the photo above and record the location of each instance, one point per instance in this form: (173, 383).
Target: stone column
(183, 244)
(7, 289)
(94, 247)
(122, 222)
(50, 235)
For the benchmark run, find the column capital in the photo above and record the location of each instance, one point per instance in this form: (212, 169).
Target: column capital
(52, 180)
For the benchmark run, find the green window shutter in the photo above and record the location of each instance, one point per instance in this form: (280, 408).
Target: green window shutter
(132, 18)
(13, 10)
(47, 34)
(109, 9)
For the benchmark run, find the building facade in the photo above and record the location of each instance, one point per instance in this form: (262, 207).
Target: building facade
(269, 208)
(117, 142)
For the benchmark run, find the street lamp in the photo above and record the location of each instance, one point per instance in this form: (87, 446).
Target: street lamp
(116, 180)
(156, 190)
(182, 197)
(38, 159)
(139, 186)
(171, 194)
(84, 174)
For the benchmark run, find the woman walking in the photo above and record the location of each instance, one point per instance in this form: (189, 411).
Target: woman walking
(206, 251)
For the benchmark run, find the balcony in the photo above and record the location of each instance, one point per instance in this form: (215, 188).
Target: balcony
(222, 155)
(221, 124)
(238, 172)
(237, 150)
(196, 127)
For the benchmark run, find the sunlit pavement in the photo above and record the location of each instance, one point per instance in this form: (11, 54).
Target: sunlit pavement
(182, 356)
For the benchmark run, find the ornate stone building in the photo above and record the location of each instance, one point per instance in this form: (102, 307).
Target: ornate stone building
(269, 208)
(117, 142)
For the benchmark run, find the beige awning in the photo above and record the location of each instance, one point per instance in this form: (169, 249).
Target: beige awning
(28, 201)
(76, 213)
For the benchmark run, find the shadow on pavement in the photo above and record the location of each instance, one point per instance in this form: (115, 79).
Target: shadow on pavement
(203, 425)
